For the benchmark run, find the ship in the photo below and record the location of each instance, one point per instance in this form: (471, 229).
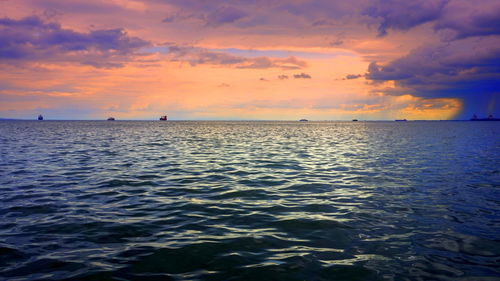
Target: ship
(354, 120)
(111, 118)
(490, 118)
(400, 120)
(163, 118)
(40, 117)
(303, 120)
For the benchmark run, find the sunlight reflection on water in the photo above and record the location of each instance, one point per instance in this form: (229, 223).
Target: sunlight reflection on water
(91, 200)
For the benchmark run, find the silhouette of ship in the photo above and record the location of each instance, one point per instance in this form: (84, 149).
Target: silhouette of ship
(163, 118)
(40, 117)
(400, 120)
(111, 119)
(303, 120)
(490, 118)
(354, 120)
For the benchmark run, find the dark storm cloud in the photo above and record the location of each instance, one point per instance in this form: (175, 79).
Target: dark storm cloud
(466, 59)
(464, 64)
(403, 15)
(468, 69)
(32, 39)
(468, 19)
(302, 76)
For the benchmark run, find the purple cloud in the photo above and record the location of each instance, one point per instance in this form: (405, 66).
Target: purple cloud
(468, 69)
(224, 15)
(182, 15)
(32, 39)
(272, 17)
(403, 15)
(458, 19)
(461, 17)
(212, 15)
(465, 64)
(467, 19)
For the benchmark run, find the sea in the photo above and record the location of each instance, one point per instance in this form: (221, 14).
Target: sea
(249, 200)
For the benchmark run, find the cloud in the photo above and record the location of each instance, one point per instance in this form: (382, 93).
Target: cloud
(302, 76)
(196, 56)
(32, 39)
(213, 16)
(458, 19)
(454, 42)
(182, 16)
(276, 17)
(463, 64)
(468, 69)
(403, 15)
(283, 63)
(353, 76)
(83, 6)
(323, 22)
(462, 19)
(224, 15)
(336, 43)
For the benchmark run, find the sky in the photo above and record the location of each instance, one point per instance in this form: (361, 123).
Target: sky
(249, 59)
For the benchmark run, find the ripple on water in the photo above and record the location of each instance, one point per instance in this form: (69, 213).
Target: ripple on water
(88, 200)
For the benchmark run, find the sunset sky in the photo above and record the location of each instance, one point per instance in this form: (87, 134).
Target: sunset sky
(249, 59)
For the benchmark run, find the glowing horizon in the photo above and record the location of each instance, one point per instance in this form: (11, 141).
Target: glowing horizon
(249, 60)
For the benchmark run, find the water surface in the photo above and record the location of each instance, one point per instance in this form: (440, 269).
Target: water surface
(97, 200)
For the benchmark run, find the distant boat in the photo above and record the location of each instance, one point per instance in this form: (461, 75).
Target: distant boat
(40, 117)
(490, 118)
(400, 120)
(111, 119)
(303, 120)
(163, 118)
(354, 120)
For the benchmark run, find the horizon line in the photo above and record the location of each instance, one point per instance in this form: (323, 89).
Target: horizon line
(238, 120)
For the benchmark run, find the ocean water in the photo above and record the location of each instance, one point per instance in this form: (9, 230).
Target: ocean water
(150, 200)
